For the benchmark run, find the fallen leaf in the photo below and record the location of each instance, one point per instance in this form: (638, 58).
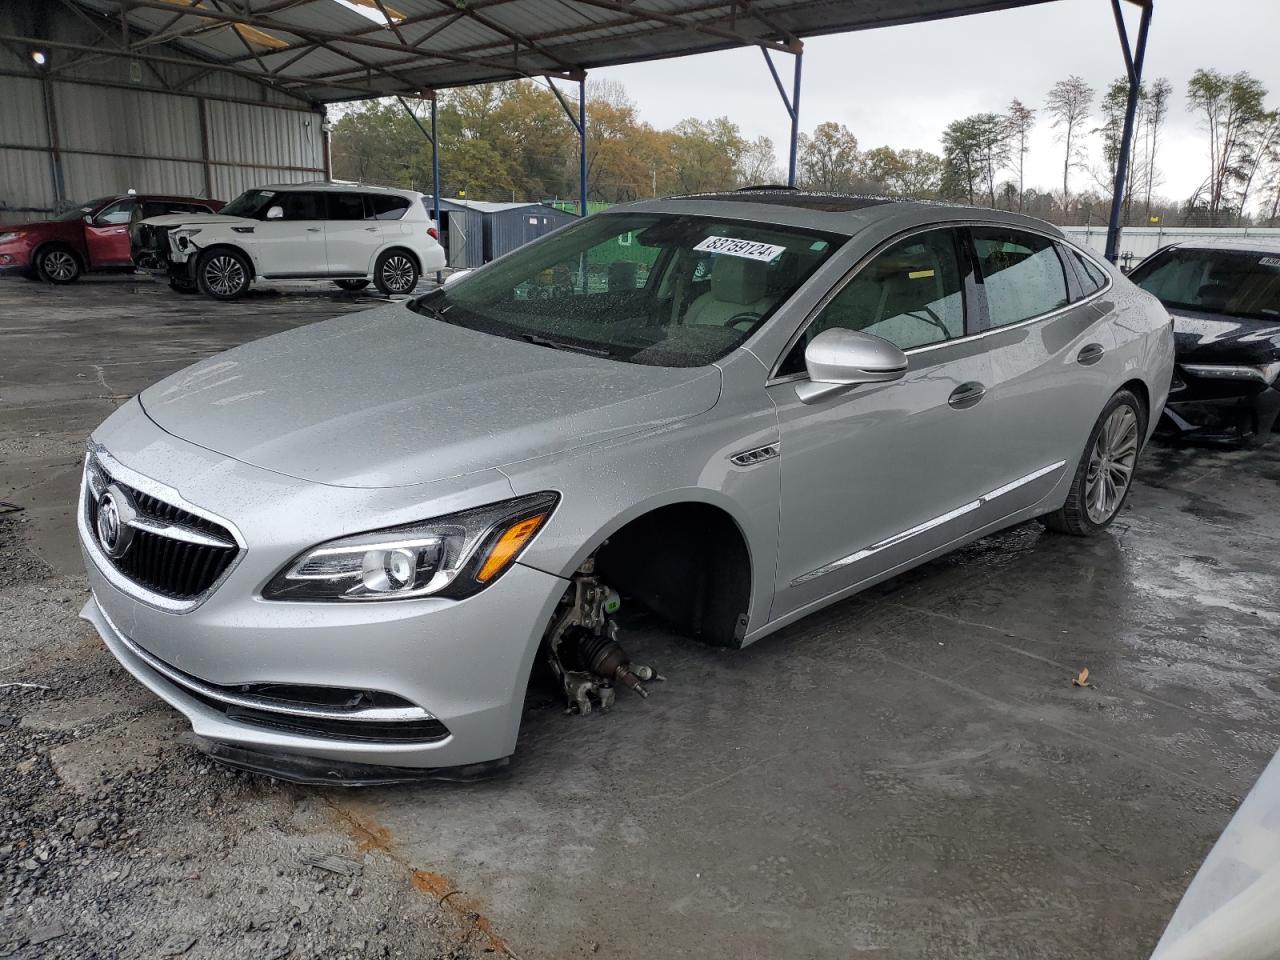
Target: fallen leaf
(1082, 680)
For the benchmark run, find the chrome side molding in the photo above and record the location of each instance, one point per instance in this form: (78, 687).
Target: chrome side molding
(928, 525)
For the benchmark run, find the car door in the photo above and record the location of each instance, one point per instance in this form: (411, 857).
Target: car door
(106, 236)
(880, 474)
(1048, 339)
(350, 239)
(293, 243)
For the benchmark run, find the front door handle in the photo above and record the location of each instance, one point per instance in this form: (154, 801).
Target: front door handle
(371, 229)
(1090, 354)
(966, 395)
(313, 229)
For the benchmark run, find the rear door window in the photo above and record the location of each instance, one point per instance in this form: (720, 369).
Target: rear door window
(345, 206)
(1021, 272)
(385, 207)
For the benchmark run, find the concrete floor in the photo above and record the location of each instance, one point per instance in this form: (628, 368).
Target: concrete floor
(908, 774)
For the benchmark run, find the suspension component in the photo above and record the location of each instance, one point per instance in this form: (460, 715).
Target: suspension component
(582, 646)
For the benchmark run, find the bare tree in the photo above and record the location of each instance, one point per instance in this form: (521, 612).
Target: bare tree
(829, 159)
(1231, 107)
(1157, 110)
(1069, 103)
(1021, 119)
(758, 163)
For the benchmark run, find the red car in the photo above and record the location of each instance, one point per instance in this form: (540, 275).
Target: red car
(91, 237)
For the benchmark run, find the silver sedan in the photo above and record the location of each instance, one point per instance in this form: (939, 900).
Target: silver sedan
(339, 550)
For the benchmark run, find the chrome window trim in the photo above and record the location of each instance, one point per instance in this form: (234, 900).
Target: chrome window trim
(928, 525)
(160, 491)
(194, 685)
(775, 378)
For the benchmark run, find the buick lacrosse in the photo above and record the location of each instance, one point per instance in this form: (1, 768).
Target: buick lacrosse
(341, 550)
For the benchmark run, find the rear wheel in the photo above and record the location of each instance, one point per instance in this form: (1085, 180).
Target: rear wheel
(395, 272)
(1104, 474)
(223, 274)
(352, 284)
(57, 265)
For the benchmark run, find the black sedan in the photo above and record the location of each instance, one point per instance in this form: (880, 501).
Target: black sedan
(1224, 296)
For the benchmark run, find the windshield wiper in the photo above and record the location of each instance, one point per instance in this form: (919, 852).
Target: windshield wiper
(541, 341)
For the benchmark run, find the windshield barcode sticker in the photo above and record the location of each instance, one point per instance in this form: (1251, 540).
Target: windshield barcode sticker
(1270, 261)
(734, 247)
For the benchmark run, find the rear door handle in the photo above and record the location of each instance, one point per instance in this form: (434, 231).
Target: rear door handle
(371, 229)
(313, 229)
(1090, 354)
(966, 395)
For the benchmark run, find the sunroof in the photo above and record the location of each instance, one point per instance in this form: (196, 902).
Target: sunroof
(826, 202)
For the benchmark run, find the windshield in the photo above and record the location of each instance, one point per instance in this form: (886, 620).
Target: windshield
(657, 289)
(249, 204)
(1236, 283)
(78, 213)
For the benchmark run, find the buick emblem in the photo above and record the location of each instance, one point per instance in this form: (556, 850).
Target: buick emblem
(115, 516)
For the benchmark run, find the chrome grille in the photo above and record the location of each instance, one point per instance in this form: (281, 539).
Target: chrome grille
(172, 552)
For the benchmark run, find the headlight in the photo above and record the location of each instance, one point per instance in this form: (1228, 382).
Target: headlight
(11, 235)
(182, 237)
(453, 556)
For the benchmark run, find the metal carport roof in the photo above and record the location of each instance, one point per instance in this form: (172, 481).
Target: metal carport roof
(327, 50)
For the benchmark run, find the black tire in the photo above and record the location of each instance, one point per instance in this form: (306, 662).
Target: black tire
(29, 274)
(352, 284)
(182, 286)
(395, 273)
(1096, 498)
(223, 273)
(56, 264)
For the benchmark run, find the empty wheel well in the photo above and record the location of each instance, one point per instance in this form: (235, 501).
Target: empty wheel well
(688, 563)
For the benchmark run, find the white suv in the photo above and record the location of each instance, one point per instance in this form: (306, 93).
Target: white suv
(312, 231)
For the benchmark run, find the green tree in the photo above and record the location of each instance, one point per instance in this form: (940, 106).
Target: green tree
(1231, 108)
(976, 149)
(828, 160)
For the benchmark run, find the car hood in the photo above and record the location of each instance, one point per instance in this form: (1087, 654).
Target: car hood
(44, 227)
(389, 397)
(195, 219)
(1214, 338)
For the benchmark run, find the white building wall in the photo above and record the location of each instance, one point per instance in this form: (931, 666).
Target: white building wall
(110, 134)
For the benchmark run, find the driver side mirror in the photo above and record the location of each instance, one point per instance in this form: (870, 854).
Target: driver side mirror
(275, 213)
(837, 359)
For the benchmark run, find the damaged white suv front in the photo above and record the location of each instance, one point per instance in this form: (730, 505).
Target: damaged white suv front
(346, 234)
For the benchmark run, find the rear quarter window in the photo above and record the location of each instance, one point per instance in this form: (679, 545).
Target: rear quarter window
(383, 207)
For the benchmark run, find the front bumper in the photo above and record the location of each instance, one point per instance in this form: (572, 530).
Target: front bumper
(463, 663)
(1221, 408)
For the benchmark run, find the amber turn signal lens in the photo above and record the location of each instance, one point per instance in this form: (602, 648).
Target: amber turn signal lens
(508, 545)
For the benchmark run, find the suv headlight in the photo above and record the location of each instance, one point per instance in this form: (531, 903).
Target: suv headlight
(182, 236)
(453, 556)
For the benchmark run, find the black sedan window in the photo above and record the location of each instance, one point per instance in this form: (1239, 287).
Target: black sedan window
(1236, 283)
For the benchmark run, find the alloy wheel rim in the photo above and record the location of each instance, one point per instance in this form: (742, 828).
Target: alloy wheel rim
(1111, 464)
(60, 265)
(397, 273)
(224, 275)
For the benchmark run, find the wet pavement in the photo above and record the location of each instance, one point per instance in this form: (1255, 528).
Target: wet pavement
(908, 774)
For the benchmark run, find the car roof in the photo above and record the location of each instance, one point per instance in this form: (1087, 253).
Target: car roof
(324, 187)
(1248, 244)
(833, 212)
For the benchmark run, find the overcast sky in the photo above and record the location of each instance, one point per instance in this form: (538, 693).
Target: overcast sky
(902, 85)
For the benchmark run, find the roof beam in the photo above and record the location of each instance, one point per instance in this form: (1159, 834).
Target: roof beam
(640, 14)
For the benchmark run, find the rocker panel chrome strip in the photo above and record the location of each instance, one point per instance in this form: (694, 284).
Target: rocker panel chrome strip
(928, 525)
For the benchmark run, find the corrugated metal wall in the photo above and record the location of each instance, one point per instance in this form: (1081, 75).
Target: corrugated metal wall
(113, 134)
